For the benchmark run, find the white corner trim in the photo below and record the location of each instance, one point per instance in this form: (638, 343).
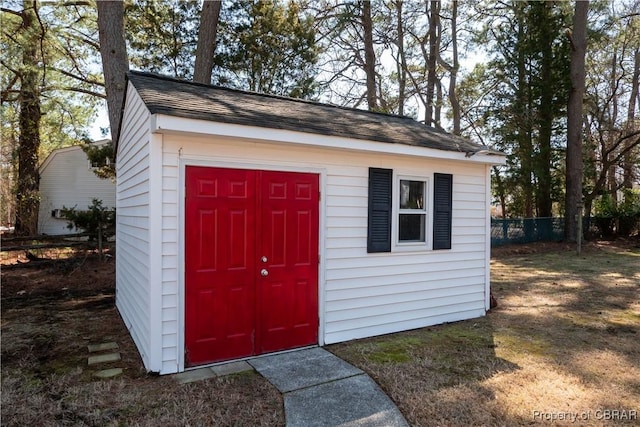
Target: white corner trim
(169, 124)
(155, 252)
(487, 285)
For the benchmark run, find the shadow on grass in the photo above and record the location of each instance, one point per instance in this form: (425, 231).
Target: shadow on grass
(435, 374)
(581, 312)
(565, 337)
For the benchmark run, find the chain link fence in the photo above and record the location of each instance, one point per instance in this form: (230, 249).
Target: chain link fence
(525, 230)
(528, 230)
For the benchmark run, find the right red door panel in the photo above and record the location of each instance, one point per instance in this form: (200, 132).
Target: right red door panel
(288, 313)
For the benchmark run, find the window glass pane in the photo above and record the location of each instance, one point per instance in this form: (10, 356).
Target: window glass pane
(411, 194)
(411, 228)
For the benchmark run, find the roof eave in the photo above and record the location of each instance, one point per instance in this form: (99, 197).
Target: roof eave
(165, 124)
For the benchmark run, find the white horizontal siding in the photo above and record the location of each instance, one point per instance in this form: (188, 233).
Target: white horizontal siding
(67, 181)
(350, 330)
(362, 294)
(132, 229)
(404, 285)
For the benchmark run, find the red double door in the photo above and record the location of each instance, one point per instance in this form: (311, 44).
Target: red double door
(251, 260)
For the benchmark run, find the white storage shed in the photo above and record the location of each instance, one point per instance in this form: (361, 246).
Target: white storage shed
(250, 223)
(66, 181)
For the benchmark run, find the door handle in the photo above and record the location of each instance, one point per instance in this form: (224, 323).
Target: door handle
(264, 272)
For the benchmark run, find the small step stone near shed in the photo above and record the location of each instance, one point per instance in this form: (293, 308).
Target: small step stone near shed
(103, 353)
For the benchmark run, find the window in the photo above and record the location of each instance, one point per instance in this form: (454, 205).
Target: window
(99, 164)
(412, 212)
(405, 210)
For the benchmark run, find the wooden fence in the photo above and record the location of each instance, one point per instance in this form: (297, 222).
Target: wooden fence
(25, 243)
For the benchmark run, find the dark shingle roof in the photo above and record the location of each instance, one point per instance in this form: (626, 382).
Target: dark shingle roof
(179, 98)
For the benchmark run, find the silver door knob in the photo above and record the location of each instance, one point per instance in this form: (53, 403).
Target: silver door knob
(264, 272)
(263, 259)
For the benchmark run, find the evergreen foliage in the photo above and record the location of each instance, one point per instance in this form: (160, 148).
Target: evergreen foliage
(266, 46)
(408, 58)
(103, 159)
(162, 35)
(95, 220)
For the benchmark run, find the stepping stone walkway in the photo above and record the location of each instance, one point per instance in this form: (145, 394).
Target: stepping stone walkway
(99, 355)
(321, 389)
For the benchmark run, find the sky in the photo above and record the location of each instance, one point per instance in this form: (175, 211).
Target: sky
(102, 121)
(467, 63)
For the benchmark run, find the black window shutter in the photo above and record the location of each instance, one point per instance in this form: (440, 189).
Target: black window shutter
(379, 223)
(442, 210)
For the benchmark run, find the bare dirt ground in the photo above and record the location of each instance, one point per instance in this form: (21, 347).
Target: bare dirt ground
(564, 342)
(52, 311)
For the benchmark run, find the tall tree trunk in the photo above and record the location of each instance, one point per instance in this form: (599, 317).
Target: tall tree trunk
(206, 41)
(629, 159)
(401, 63)
(437, 110)
(524, 125)
(452, 68)
(543, 160)
(434, 18)
(612, 184)
(500, 190)
(369, 55)
(115, 62)
(27, 191)
(453, 72)
(574, 164)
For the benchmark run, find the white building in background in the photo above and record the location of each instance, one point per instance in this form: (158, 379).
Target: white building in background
(67, 180)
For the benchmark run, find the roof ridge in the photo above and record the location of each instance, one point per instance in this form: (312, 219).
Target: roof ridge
(270, 95)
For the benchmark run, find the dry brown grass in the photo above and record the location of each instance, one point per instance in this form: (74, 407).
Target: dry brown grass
(49, 316)
(565, 340)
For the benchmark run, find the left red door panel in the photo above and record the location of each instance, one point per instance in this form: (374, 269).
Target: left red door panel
(220, 264)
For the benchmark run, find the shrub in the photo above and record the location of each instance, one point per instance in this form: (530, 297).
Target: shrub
(622, 218)
(98, 221)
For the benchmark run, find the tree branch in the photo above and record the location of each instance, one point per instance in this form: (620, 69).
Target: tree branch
(79, 78)
(85, 91)
(76, 3)
(4, 64)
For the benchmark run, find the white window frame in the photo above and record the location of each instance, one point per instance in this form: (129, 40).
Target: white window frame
(397, 245)
(93, 166)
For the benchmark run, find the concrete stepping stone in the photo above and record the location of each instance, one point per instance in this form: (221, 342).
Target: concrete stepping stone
(194, 375)
(354, 401)
(302, 368)
(93, 348)
(103, 358)
(108, 373)
(231, 368)
(212, 371)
